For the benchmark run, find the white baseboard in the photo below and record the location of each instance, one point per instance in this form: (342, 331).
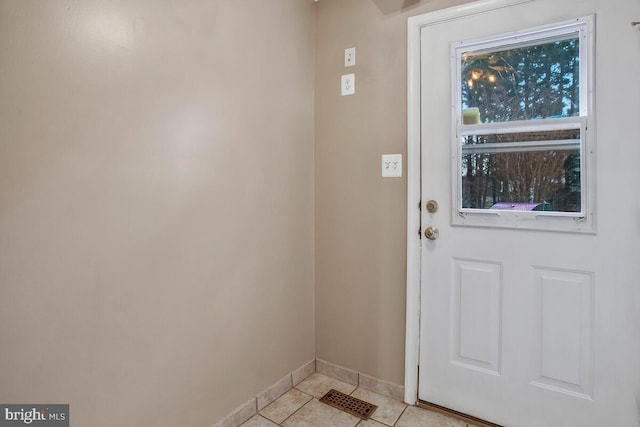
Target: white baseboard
(359, 379)
(251, 407)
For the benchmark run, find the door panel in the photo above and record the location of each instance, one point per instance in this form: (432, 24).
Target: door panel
(531, 327)
(475, 292)
(564, 330)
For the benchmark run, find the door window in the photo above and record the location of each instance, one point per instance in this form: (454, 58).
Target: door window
(521, 112)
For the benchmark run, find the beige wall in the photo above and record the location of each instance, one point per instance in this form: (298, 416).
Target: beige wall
(156, 205)
(361, 217)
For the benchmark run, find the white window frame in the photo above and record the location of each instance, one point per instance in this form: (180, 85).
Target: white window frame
(583, 221)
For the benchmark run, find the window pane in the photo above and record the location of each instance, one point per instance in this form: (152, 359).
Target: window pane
(532, 171)
(521, 83)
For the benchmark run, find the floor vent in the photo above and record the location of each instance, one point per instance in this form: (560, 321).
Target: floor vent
(349, 404)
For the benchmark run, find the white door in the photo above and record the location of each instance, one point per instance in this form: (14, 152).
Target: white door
(532, 318)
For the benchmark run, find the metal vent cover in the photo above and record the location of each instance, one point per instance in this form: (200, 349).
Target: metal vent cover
(349, 404)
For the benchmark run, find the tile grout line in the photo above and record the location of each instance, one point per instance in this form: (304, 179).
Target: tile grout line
(294, 412)
(387, 397)
(401, 414)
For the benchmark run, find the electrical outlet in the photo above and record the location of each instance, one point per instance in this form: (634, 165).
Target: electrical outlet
(348, 86)
(350, 57)
(392, 165)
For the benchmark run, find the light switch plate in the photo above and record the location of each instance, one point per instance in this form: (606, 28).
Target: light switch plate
(392, 165)
(348, 86)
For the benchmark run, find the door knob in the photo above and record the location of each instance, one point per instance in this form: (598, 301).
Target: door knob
(432, 206)
(431, 233)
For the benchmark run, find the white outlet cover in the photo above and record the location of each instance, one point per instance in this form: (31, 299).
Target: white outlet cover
(392, 165)
(348, 84)
(350, 57)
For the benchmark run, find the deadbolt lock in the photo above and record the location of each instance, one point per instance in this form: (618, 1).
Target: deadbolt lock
(432, 206)
(431, 233)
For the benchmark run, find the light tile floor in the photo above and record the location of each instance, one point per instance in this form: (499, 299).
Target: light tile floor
(300, 407)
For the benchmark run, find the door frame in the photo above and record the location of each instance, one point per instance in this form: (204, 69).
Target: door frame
(414, 165)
